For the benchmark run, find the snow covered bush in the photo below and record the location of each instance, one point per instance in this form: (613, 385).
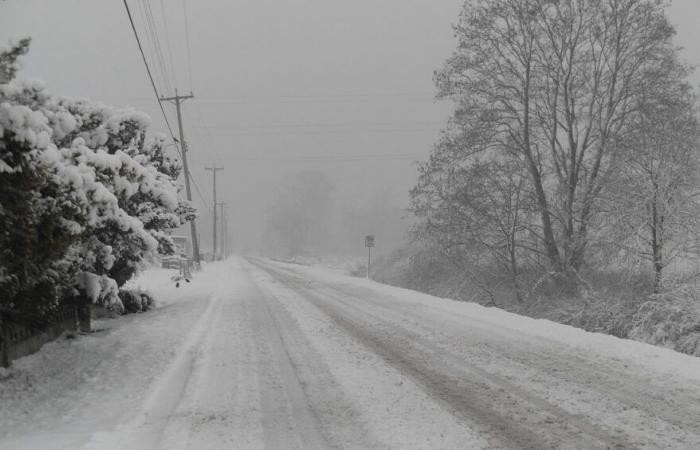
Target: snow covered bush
(136, 300)
(671, 319)
(85, 196)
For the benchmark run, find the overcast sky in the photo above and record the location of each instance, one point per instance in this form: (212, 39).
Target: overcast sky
(340, 86)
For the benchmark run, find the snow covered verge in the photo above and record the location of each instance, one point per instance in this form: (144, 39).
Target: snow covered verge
(95, 380)
(615, 303)
(346, 265)
(649, 357)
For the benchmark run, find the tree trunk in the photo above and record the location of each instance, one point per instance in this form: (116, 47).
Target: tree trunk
(82, 306)
(656, 247)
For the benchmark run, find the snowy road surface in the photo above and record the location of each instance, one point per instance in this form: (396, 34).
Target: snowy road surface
(259, 354)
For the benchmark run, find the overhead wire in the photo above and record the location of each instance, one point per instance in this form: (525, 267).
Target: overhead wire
(187, 41)
(160, 58)
(155, 90)
(150, 45)
(201, 130)
(148, 70)
(163, 66)
(199, 193)
(167, 42)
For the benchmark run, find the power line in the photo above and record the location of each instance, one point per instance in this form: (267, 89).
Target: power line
(187, 41)
(153, 52)
(201, 130)
(151, 23)
(199, 193)
(148, 70)
(345, 125)
(320, 132)
(331, 158)
(167, 42)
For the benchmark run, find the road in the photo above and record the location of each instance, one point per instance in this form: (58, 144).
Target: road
(285, 357)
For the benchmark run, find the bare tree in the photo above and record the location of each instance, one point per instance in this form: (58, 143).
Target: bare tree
(556, 83)
(474, 206)
(656, 201)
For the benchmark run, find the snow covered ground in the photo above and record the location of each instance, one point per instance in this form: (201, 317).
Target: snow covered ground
(262, 354)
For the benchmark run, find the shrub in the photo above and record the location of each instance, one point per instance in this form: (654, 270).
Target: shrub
(136, 300)
(671, 319)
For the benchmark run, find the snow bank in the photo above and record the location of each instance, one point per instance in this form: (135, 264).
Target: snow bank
(646, 356)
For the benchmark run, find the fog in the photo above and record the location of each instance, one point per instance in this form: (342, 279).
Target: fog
(281, 87)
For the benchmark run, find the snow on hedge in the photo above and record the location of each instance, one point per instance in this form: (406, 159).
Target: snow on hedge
(108, 192)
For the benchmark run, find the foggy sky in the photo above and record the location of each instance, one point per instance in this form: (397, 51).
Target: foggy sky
(340, 86)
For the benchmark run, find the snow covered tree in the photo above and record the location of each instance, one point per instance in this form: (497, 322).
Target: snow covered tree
(555, 82)
(655, 206)
(474, 204)
(85, 196)
(8, 59)
(40, 214)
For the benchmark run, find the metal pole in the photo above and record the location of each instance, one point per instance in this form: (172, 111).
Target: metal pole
(369, 260)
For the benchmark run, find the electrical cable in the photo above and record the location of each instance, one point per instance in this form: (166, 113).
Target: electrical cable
(201, 196)
(187, 40)
(167, 42)
(148, 70)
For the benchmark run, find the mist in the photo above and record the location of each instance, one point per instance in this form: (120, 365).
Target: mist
(349, 224)
(344, 88)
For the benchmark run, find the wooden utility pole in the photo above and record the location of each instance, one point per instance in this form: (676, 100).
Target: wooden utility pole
(222, 205)
(213, 171)
(177, 100)
(226, 233)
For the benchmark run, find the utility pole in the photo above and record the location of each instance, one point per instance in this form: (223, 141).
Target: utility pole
(226, 233)
(213, 171)
(223, 229)
(177, 100)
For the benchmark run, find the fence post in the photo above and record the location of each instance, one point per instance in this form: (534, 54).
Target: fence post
(4, 343)
(83, 313)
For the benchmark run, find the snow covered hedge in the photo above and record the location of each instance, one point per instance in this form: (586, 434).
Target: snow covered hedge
(85, 195)
(671, 319)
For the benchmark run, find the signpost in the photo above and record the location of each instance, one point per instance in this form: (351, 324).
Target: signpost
(369, 243)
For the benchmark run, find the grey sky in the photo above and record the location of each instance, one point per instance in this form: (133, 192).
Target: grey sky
(342, 86)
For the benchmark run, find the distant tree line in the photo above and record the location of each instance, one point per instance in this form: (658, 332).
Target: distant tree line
(573, 144)
(85, 196)
(308, 216)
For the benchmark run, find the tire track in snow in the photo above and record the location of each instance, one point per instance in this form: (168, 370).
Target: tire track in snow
(287, 414)
(663, 416)
(145, 430)
(509, 416)
(308, 382)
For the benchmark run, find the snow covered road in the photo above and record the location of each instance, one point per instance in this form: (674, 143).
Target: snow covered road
(259, 354)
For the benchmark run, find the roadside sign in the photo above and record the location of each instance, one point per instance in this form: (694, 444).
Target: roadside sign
(369, 243)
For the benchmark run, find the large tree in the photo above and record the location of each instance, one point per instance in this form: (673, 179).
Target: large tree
(555, 84)
(655, 204)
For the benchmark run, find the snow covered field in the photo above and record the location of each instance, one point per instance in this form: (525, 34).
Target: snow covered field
(261, 354)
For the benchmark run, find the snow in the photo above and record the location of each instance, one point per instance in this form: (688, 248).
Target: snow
(261, 354)
(105, 174)
(664, 362)
(100, 289)
(57, 397)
